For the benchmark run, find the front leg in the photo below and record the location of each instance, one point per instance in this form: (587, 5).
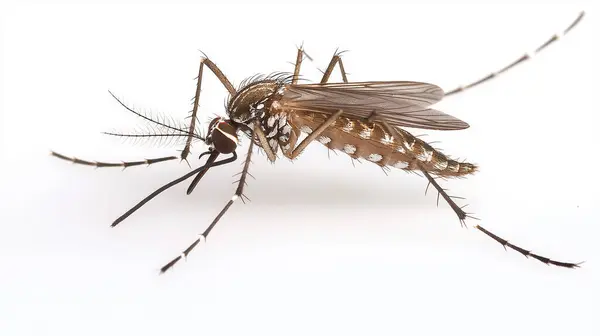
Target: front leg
(239, 193)
(226, 83)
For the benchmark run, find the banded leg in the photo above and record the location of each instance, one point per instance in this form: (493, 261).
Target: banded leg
(123, 164)
(462, 215)
(226, 83)
(172, 183)
(238, 193)
(527, 253)
(520, 60)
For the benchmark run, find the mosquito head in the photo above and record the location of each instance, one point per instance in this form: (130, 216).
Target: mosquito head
(222, 135)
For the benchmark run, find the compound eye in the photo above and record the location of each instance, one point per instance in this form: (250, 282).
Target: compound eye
(224, 137)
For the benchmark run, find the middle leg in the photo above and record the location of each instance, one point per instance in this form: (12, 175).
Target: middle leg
(292, 153)
(336, 59)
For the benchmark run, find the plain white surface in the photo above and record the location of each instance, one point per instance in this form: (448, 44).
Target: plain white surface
(323, 248)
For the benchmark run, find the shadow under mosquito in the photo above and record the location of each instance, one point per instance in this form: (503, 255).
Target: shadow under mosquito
(323, 190)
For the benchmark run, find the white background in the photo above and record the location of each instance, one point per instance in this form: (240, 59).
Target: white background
(323, 248)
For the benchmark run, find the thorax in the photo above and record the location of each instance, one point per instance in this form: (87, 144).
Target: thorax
(259, 102)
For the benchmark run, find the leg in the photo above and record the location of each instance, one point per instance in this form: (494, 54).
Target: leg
(170, 184)
(462, 215)
(525, 252)
(299, 57)
(264, 143)
(312, 136)
(522, 59)
(123, 164)
(226, 84)
(238, 193)
(336, 59)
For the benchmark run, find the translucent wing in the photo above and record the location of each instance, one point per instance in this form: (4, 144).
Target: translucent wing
(402, 103)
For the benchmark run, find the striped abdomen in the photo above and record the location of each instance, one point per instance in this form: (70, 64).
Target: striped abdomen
(370, 141)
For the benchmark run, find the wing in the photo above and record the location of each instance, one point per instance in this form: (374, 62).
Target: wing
(401, 104)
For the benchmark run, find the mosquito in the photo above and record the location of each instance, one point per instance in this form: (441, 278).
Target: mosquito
(364, 120)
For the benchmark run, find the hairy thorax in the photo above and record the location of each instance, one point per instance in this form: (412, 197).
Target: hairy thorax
(260, 102)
